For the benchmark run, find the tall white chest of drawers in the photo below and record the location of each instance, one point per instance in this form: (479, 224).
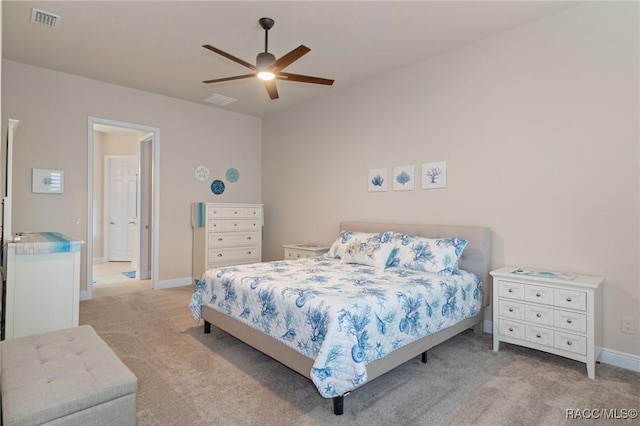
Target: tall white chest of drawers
(225, 234)
(556, 313)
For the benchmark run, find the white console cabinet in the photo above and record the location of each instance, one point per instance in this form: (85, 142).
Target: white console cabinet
(42, 279)
(551, 312)
(225, 234)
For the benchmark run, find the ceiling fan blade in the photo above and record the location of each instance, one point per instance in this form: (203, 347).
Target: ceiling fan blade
(289, 58)
(304, 78)
(237, 77)
(229, 56)
(271, 89)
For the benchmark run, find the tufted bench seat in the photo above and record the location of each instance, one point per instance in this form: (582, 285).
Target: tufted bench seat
(65, 377)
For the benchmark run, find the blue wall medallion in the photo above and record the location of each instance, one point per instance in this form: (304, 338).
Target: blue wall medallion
(233, 175)
(217, 187)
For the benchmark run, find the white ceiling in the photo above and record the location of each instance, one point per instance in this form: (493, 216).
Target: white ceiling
(156, 46)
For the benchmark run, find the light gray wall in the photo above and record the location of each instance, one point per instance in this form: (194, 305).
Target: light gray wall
(53, 109)
(539, 127)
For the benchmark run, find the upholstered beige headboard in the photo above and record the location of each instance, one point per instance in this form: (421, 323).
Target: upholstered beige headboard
(476, 257)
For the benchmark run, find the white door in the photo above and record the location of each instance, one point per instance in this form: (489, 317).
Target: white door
(123, 217)
(146, 207)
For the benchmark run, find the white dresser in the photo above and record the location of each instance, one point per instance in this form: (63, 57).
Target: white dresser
(299, 251)
(225, 234)
(551, 312)
(42, 273)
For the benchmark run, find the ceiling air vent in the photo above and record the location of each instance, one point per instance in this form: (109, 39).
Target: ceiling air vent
(219, 100)
(44, 18)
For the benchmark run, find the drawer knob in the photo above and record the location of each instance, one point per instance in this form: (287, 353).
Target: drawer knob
(219, 239)
(538, 335)
(510, 290)
(568, 299)
(248, 238)
(510, 328)
(538, 295)
(510, 309)
(219, 254)
(539, 315)
(235, 224)
(569, 343)
(569, 321)
(235, 212)
(249, 252)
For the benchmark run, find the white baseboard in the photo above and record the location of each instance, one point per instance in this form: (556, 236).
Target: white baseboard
(607, 356)
(620, 359)
(83, 295)
(178, 282)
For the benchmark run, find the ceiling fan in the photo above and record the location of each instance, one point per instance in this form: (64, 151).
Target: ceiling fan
(268, 68)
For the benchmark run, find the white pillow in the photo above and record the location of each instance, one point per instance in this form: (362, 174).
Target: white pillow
(438, 256)
(339, 246)
(368, 253)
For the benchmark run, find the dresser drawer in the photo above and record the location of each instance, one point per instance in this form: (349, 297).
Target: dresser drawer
(297, 254)
(512, 329)
(533, 293)
(510, 290)
(233, 239)
(571, 342)
(231, 212)
(571, 321)
(538, 314)
(540, 335)
(509, 309)
(571, 299)
(233, 225)
(234, 254)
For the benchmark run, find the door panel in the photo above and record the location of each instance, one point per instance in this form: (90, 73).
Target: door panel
(123, 193)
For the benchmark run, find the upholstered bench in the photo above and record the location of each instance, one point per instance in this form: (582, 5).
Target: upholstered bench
(65, 377)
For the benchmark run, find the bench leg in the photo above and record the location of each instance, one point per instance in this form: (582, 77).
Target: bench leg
(207, 327)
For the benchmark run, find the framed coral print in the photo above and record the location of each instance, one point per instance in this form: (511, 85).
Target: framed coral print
(378, 180)
(434, 175)
(403, 179)
(47, 181)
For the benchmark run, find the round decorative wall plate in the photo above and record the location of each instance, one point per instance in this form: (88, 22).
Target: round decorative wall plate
(217, 187)
(202, 173)
(232, 175)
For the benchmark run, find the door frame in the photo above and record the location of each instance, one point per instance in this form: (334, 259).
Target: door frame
(155, 177)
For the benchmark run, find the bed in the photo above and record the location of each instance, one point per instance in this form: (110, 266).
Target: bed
(299, 313)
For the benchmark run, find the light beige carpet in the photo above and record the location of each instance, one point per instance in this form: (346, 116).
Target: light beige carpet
(188, 378)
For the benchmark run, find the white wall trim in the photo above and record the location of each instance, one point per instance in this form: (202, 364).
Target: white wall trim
(620, 359)
(607, 356)
(177, 282)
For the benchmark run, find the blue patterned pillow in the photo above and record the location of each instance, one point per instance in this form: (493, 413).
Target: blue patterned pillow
(437, 256)
(346, 238)
(368, 253)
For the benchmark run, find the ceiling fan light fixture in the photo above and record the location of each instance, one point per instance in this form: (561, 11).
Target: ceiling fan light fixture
(266, 75)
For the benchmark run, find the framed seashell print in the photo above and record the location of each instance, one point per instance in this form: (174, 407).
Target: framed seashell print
(378, 180)
(434, 175)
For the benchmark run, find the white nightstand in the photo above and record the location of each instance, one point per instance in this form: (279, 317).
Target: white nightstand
(299, 251)
(551, 312)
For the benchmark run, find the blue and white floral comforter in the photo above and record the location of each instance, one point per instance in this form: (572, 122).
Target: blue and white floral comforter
(341, 315)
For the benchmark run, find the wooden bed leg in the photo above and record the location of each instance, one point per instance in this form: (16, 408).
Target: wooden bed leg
(338, 405)
(424, 357)
(207, 327)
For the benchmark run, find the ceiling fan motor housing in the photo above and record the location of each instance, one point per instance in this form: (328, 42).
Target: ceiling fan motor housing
(265, 59)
